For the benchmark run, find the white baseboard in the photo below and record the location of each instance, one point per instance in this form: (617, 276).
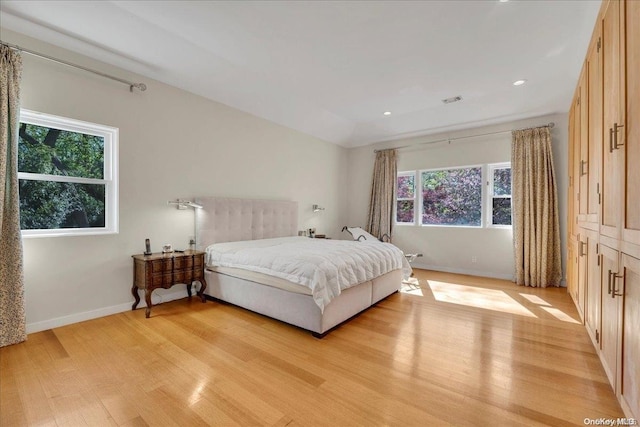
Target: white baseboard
(510, 277)
(480, 273)
(100, 312)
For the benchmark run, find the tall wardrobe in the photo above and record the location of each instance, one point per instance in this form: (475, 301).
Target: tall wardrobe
(603, 274)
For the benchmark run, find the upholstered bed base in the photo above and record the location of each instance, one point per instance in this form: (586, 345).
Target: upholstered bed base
(230, 220)
(298, 309)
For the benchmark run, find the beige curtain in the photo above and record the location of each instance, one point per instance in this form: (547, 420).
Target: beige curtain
(383, 189)
(12, 313)
(536, 231)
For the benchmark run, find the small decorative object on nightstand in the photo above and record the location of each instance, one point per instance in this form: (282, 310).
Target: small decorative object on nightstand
(165, 270)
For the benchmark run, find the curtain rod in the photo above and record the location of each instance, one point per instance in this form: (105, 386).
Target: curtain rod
(549, 125)
(141, 86)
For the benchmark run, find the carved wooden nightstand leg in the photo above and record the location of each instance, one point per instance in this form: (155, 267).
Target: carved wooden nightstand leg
(189, 289)
(147, 298)
(134, 291)
(203, 286)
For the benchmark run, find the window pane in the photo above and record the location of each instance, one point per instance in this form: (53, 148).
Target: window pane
(50, 205)
(59, 152)
(502, 211)
(406, 186)
(404, 211)
(502, 182)
(452, 197)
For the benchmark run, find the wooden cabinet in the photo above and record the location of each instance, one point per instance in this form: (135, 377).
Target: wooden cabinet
(574, 167)
(582, 141)
(628, 285)
(631, 151)
(593, 288)
(604, 197)
(610, 307)
(594, 133)
(581, 273)
(613, 120)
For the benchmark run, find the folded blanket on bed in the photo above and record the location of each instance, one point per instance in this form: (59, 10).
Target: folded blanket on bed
(324, 266)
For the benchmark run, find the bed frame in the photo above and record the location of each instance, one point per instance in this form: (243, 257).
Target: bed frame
(227, 220)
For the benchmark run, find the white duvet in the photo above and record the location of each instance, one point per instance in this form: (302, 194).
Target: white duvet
(324, 266)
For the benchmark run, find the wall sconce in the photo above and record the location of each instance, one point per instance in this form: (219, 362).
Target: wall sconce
(184, 204)
(317, 208)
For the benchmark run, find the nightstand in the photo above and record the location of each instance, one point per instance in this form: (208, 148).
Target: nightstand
(163, 270)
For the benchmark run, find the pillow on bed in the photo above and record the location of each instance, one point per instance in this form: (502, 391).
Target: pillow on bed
(359, 234)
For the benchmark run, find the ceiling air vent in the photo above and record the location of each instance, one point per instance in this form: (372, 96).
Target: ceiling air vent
(452, 100)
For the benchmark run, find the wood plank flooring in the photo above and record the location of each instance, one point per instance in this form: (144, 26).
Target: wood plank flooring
(455, 350)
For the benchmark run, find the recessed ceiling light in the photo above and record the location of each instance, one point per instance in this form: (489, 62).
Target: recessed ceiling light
(519, 82)
(503, 1)
(387, 113)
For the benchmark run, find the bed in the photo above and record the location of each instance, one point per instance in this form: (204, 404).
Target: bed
(234, 226)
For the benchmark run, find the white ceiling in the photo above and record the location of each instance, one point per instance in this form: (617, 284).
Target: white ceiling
(331, 68)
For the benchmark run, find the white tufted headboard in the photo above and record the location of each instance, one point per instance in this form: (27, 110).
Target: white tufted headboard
(229, 220)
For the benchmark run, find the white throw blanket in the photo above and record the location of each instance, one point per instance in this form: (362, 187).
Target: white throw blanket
(324, 266)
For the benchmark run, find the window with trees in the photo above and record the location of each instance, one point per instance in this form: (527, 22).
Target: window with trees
(67, 172)
(500, 194)
(456, 196)
(452, 196)
(406, 198)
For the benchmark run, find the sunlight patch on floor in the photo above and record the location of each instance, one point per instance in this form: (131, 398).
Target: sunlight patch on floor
(560, 315)
(411, 286)
(535, 299)
(489, 299)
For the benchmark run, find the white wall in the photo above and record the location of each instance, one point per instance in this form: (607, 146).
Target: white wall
(172, 144)
(452, 248)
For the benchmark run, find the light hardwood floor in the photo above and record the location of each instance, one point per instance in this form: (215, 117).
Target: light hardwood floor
(458, 350)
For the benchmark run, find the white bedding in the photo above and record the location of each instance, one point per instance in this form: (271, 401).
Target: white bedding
(326, 267)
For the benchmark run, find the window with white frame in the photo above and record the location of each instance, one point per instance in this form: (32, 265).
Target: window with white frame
(455, 196)
(499, 193)
(452, 197)
(406, 198)
(67, 172)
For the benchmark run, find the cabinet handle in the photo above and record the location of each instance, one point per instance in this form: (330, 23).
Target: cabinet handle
(611, 140)
(614, 292)
(580, 249)
(615, 129)
(582, 165)
(609, 283)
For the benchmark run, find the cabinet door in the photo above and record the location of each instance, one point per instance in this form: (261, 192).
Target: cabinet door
(582, 131)
(580, 290)
(630, 376)
(594, 288)
(613, 121)
(572, 269)
(594, 72)
(631, 199)
(610, 314)
(572, 191)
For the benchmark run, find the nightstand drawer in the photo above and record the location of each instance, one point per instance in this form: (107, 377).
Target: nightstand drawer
(161, 265)
(183, 263)
(168, 279)
(162, 280)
